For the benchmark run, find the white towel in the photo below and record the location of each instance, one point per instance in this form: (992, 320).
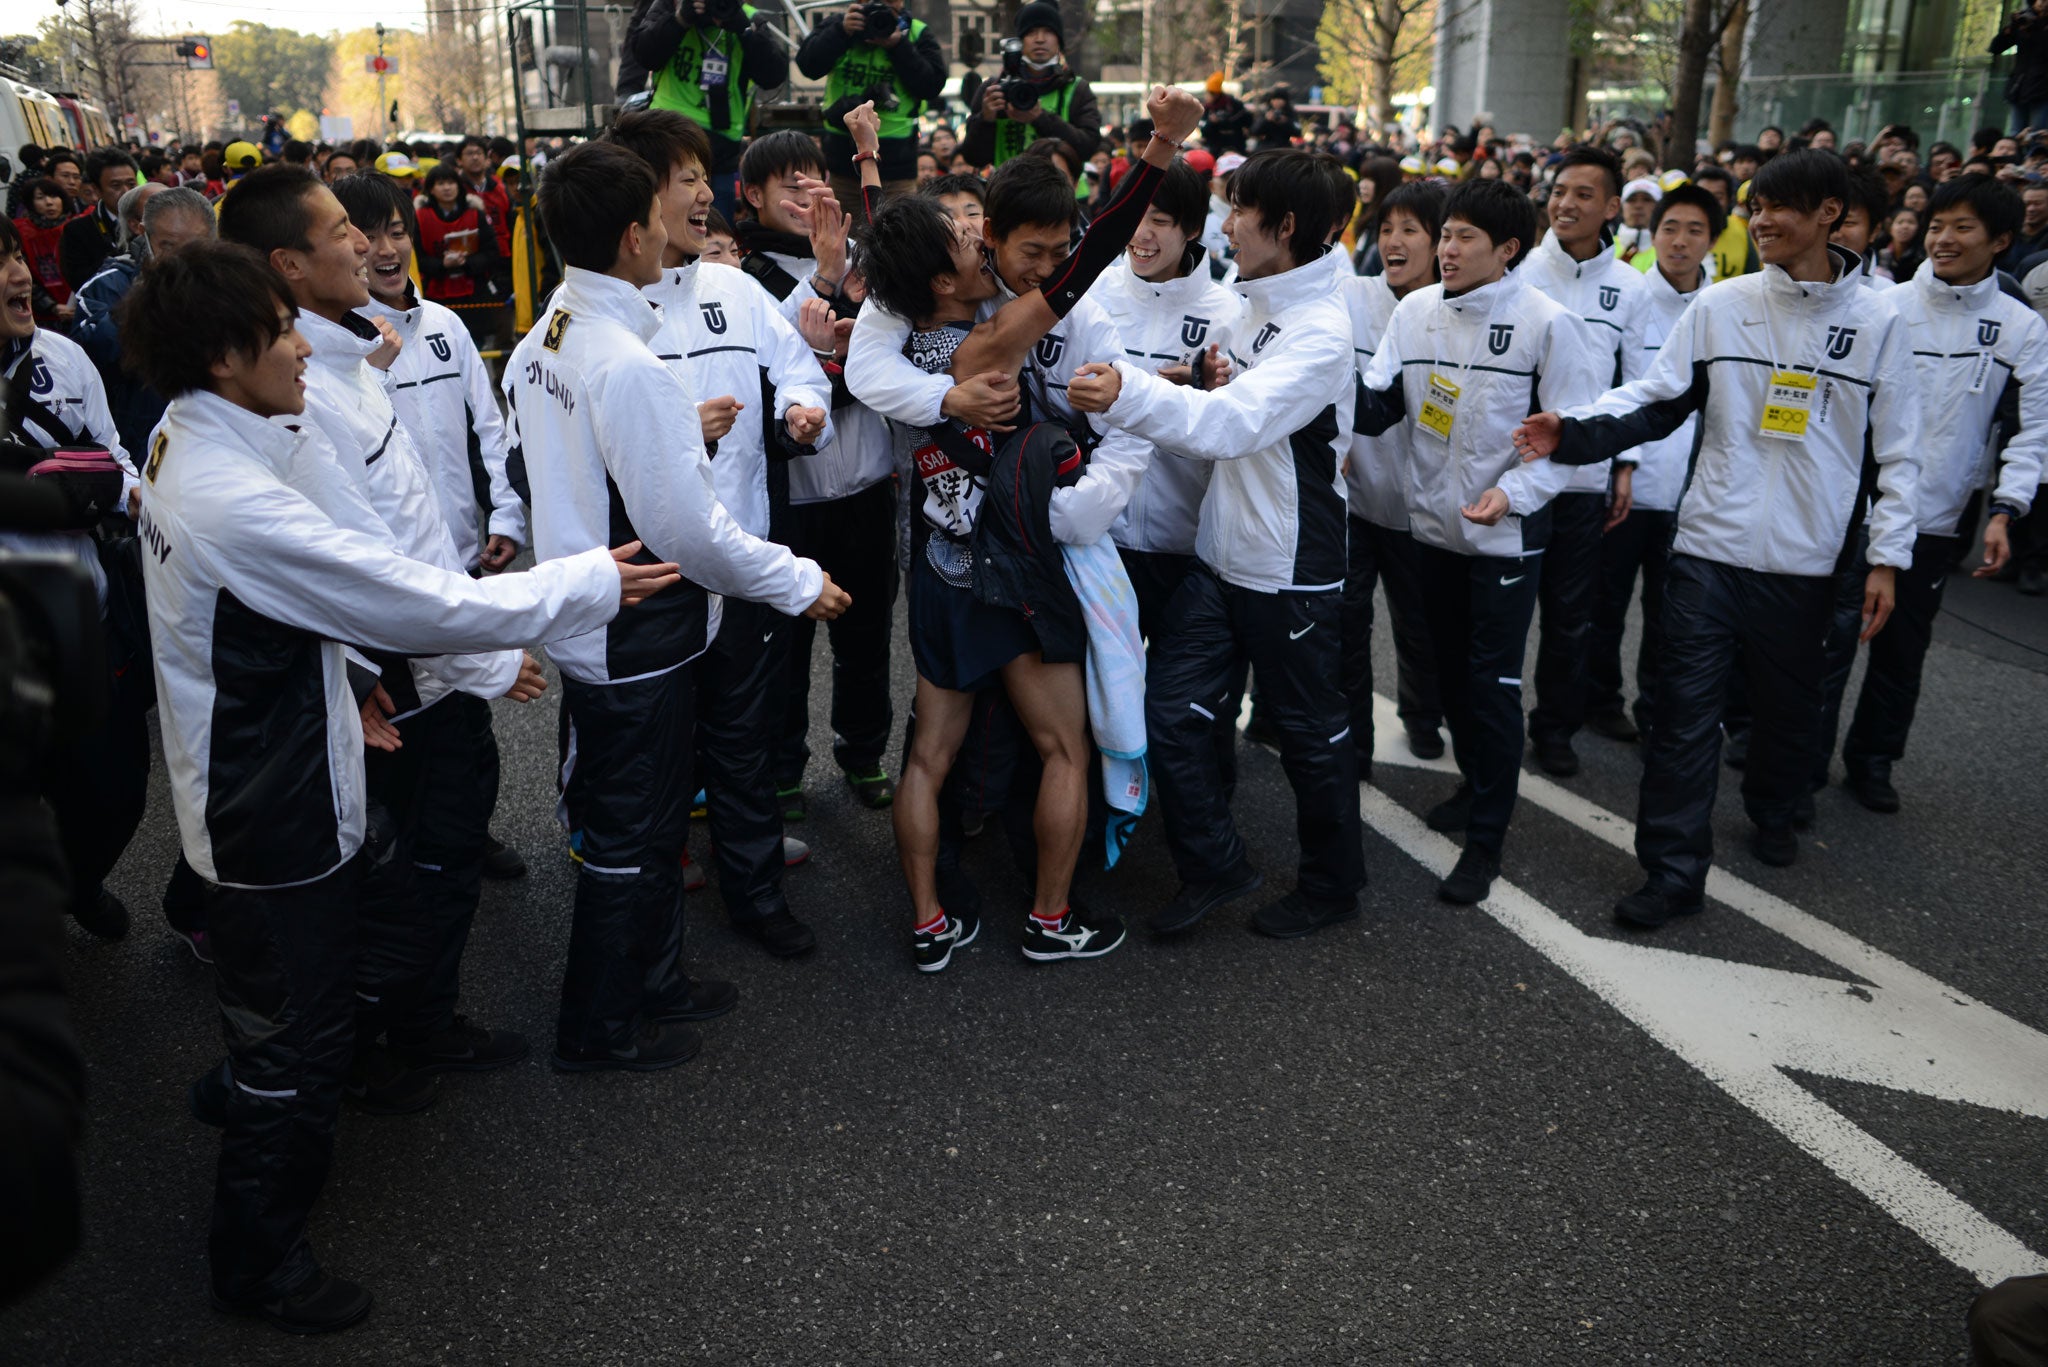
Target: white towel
(1115, 678)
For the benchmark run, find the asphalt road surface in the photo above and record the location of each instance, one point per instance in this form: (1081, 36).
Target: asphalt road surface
(1805, 1126)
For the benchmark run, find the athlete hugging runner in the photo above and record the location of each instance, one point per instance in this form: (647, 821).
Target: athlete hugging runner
(959, 314)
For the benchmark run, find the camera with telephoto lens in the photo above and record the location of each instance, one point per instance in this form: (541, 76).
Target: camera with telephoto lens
(1019, 90)
(878, 21)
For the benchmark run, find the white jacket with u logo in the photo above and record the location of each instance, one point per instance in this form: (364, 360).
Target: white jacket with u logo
(1758, 502)
(1166, 323)
(615, 453)
(1965, 337)
(1511, 352)
(445, 400)
(1273, 517)
(1611, 298)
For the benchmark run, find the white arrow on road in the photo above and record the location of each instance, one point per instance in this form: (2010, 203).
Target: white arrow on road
(1741, 1025)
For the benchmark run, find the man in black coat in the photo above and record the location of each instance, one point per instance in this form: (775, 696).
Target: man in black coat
(898, 65)
(2026, 90)
(92, 237)
(1063, 106)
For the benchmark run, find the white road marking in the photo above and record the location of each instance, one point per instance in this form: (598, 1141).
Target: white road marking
(1741, 1025)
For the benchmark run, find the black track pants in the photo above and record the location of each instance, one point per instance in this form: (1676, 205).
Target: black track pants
(1716, 616)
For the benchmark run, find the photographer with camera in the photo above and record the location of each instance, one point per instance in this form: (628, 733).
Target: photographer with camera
(874, 52)
(1037, 95)
(706, 59)
(2026, 89)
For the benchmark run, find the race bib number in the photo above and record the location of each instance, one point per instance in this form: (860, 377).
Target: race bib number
(932, 462)
(1788, 405)
(1439, 406)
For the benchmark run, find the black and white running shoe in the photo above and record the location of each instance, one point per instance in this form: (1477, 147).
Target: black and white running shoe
(1082, 934)
(933, 950)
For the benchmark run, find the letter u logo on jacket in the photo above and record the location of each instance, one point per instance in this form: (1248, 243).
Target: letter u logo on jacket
(1840, 340)
(1610, 295)
(1266, 334)
(714, 316)
(1499, 337)
(1987, 331)
(437, 342)
(1193, 330)
(1049, 349)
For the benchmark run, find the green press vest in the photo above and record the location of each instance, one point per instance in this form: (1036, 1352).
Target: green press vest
(676, 85)
(866, 66)
(1013, 137)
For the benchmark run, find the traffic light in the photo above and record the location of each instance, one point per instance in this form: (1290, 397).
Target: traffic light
(197, 52)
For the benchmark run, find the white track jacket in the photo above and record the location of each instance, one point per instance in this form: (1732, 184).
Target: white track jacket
(1273, 517)
(259, 555)
(1759, 502)
(615, 453)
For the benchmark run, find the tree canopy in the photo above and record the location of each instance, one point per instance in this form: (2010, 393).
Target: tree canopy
(271, 70)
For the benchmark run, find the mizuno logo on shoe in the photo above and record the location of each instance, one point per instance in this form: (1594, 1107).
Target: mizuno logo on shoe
(1297, 635)
(1506, 582)
(1072, 939)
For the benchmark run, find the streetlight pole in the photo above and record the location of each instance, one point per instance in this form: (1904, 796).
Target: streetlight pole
(383, 108)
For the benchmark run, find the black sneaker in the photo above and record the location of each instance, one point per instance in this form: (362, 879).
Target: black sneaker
(103, 914)
(1614, 725)
(321, 1306)
(706, 1000)
(2033, 581)
(462, 1048)
(1472, 878)
(1297, 914)
(502, 863)
(1650, 906)
(1873, 788)
(1778, 847)
(933, 950)
(1425, 742)
(379, 1083)
(208, 1096)
(654, 1047)
(791, 797)
(1081, 934)
(1196, 900)
(1453, 814)
(1555, 756)
(872, 788)
(779, 932)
